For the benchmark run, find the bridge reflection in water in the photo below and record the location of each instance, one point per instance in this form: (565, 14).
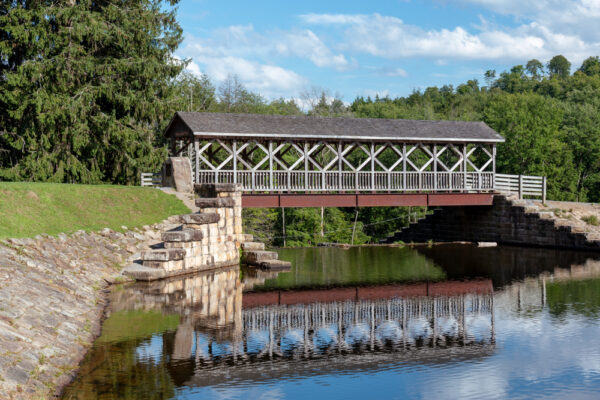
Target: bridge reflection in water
(237, 330)
(339, 328)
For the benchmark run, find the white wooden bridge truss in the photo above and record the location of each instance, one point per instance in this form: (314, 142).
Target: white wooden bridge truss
(323, 166)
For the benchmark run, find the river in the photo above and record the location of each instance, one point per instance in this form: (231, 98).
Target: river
(439, 322)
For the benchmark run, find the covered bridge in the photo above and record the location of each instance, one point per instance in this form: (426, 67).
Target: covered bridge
(273, 154)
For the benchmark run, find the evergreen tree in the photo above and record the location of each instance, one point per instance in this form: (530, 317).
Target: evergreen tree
(85, 88)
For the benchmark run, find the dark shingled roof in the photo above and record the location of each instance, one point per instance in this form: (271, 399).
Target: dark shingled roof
(246, 126)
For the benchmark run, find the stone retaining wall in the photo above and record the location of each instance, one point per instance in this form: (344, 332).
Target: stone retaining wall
(205, 240)
(52, 292)
(507, 221)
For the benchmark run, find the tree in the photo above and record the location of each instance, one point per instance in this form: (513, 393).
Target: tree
(234, 97)
(559, 66)
(530, 123)
(195, 93)
(321, 103)
(591, 66)
(85, 88)
(535, 68)
(489, 76)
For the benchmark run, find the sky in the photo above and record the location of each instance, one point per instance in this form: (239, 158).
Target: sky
(378, 47)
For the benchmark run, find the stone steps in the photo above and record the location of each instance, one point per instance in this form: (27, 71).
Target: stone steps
(246, 246)
(255, 257)
(204, 240)
(275, 265)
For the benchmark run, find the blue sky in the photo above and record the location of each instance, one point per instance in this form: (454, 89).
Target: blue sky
(360, 48)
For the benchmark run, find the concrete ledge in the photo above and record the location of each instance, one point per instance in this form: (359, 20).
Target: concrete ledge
(186, 235)
(200, 219)
(215, 202)
(163, 255)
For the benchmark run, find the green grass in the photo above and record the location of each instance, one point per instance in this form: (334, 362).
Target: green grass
(28, 209)
(591, 220)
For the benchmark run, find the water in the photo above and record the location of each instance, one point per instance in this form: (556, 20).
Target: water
(444, 322)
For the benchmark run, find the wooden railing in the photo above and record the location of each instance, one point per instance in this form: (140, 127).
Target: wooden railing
(345, 181)
(150, 179)
(522, 185)
(335, 181)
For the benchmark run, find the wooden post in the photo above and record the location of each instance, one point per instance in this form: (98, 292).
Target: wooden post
(494, 167)
(464, 167)
(520, 186)
(234, 149)
(404, 166)
(340, 166)
(197, 160)
(544, 190)
(305, 166)
(271, 165)
(435, 183)
(372, 166)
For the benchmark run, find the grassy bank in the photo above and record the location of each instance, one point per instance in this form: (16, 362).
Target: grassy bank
(28, 209)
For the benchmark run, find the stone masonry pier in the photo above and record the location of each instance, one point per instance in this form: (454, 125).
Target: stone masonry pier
(508, 221)
(205, 240)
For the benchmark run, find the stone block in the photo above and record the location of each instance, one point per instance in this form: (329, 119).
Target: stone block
(215, 202)
(275, 265)
(256, 256)
(253, 246)
(177, 173)
(163, 255)
(200, 219)
(181, 245)
(186, 235)
(212, 189)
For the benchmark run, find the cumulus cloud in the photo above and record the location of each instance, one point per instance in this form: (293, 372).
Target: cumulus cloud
(240, 50)
(390, 37)
(305, 44)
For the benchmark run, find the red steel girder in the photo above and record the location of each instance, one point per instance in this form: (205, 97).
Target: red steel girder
(366, 200)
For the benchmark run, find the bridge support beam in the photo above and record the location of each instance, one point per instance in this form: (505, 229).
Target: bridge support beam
(366, 200)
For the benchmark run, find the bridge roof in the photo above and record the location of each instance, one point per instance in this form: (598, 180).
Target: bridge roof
(257, 126)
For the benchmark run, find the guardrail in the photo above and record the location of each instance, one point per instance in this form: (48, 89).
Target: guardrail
(346, 181)
(150, 179)
(523, 185)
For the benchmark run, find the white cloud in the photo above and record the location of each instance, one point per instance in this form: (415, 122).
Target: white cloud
(305, 44)
(242, 51)
(269, 80)
(389, 37)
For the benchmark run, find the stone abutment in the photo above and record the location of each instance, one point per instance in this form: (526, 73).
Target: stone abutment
(508, 221)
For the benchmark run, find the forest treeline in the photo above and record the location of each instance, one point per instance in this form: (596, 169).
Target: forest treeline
(86, 89)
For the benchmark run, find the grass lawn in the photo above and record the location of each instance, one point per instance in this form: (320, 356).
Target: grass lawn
(28, 209)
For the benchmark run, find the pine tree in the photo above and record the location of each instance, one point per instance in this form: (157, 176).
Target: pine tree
(85, 88)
